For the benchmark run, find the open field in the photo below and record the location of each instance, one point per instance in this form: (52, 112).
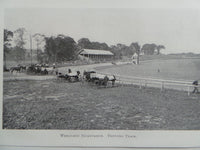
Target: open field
(173, 69)
(53, 104)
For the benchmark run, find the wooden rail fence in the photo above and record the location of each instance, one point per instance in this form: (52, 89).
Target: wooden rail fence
(158, 83)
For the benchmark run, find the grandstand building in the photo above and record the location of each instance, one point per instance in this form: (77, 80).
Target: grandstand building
(96, 55)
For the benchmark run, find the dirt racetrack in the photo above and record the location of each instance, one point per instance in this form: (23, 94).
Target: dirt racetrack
(172, 69)
(55, 104)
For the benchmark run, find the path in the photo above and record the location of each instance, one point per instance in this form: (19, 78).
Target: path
(150, 82)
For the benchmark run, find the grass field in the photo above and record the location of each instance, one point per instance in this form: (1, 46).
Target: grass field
(175, 69)
(53, 104)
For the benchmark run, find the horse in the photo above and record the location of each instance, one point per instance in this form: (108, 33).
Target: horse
(23, 68)
(17, 69)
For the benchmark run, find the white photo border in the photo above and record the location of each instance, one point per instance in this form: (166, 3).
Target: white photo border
(94, 138)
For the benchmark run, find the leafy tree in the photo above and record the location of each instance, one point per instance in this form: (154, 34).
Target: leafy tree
(39, 38)
(104, 46)
(42, 57)
(137, 50)
(84, 43)
(159, 47)
(125, 50)
(120, 50)
(60, 48)
(117, 50)
(99, 46)
(50, 47)
(20, 41)
(149, 49)
(18, 53)
(6, 46)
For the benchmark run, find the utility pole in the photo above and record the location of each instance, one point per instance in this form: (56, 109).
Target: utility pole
(37, 51)
(55, 58)
(138, 57)
(39, 38)
(31, 47)
(4, 59)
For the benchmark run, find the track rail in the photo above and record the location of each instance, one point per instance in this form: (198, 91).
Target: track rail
(151, 82)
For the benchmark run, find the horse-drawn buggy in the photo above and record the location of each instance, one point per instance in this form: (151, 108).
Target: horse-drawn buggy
(41, 69)
(70, 76)
(99, 79)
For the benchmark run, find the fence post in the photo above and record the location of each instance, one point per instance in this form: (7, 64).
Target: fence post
(140, 84)
(132, 83)
(119, 81)
(188, 90)
(162, 85)
(145, 83)
(122, 83)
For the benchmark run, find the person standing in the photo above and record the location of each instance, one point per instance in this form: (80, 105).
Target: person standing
(195, 83)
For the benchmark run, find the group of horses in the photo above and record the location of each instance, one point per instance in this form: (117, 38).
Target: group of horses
(39, 69)
(90, 77)
(19, 68)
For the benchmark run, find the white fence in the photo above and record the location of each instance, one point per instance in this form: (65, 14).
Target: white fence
(157, 83)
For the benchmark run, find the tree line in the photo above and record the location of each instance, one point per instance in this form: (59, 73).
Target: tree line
(64, 48)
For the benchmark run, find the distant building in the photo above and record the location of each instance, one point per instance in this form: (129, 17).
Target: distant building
(134, 58)
(141, 53)
(96, 55)
(135, 55)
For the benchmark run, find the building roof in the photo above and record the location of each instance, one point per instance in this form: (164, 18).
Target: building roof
(95, 52)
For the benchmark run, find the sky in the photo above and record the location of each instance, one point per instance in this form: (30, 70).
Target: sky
(178, 29)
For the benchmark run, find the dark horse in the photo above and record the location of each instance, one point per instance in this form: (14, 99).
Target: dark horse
(23, 68)
(17, 69)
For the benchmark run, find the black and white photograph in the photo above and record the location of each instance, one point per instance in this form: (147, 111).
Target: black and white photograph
(101, 69)
(88, 69)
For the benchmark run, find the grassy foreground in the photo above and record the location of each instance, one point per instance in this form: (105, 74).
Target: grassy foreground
(62, 105)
